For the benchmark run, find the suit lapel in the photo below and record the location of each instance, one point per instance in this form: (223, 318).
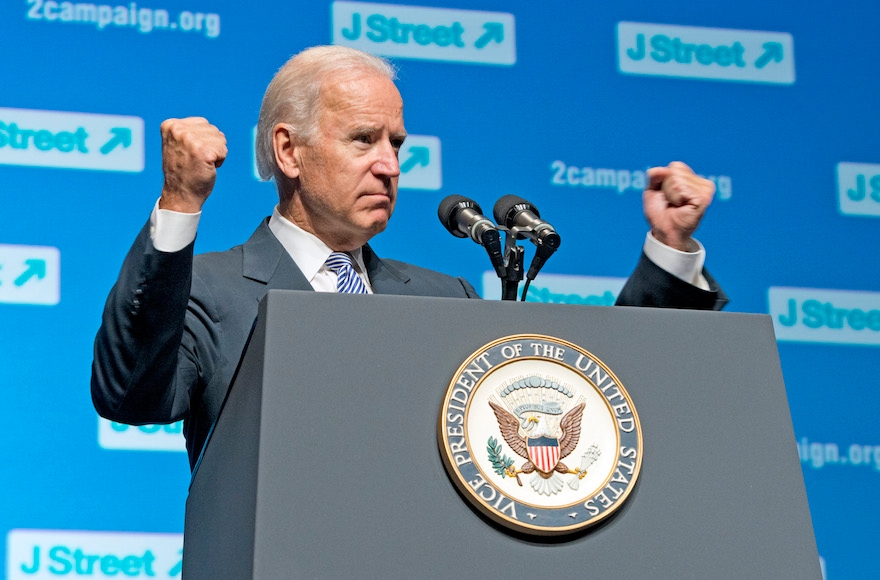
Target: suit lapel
(384, 278)
(264, 260)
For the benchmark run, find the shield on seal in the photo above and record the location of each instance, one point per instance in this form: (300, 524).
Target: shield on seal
(544, 452)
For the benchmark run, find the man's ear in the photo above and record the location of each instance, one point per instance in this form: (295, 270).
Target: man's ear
(284, 144)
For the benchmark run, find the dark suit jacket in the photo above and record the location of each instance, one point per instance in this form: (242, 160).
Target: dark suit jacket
(175, 325)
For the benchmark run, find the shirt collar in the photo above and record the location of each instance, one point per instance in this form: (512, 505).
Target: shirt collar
(307, 250)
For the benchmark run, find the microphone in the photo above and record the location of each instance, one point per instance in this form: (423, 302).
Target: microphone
(521, 217)
(464, 218)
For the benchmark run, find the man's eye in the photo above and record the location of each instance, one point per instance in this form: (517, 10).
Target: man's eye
(397, 143)
(364, 139)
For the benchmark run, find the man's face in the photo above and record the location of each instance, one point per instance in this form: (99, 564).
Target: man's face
(348, 172)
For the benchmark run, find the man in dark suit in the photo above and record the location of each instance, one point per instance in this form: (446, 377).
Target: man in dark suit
(330, 128)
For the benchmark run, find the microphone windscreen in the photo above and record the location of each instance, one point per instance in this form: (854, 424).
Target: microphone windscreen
(507, 207)
(450, 207)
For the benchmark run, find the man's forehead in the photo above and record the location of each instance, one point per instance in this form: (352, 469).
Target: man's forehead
(360, 89)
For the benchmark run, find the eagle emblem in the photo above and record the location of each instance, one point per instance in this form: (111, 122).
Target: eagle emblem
(537, 435)
(524, 419)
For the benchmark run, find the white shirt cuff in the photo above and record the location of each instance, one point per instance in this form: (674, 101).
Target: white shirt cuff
(172, 231)
(687, 266)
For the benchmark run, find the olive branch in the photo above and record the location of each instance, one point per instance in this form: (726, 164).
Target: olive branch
(502, 464)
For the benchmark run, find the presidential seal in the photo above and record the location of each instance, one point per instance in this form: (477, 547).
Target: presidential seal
(539, 435)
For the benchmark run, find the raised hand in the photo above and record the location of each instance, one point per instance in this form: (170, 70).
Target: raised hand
(192, 150)
(674, 202)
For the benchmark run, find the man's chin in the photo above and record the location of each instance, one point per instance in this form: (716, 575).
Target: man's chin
(378, 227)
(378, 220)
(366, 231)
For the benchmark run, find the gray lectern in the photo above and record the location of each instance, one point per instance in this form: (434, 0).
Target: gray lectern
(324, 462)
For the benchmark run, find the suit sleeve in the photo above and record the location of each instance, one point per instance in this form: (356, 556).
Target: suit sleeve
(650, 285)
(145, 358)
(469, 290)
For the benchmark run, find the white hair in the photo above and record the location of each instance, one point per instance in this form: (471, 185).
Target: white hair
(293, 96)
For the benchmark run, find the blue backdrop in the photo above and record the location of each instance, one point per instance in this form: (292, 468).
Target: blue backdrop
(564, 104)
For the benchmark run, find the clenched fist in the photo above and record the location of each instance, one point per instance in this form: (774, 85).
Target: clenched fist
(192, 150)
(674, 201)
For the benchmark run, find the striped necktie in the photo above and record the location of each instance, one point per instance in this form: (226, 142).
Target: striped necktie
(347, 280)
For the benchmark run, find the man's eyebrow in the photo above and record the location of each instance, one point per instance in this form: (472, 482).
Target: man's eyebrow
(363, 129)
(369, 129)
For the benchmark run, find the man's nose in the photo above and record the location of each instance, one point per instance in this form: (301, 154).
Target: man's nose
(386, 163)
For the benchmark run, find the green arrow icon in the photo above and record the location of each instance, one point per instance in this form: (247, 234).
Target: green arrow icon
(418, 156)
(121, 136)
(772, 51)
(34, 268)
(494, 31)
